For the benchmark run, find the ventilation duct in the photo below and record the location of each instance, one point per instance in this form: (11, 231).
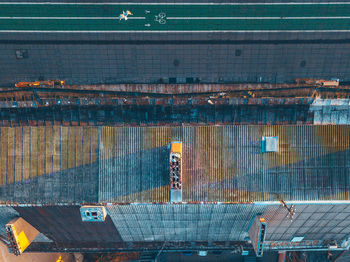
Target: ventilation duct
(269, 144)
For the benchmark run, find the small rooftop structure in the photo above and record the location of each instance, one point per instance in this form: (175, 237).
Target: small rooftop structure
(270, 144)
(93, 213)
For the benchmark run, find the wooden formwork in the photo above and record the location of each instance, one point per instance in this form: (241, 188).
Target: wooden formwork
(27, 152)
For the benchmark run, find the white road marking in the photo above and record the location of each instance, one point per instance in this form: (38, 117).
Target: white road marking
(67, 18)
(126, 3)
(258, 18)
(178, 18)
(174, 31)
(160, 18)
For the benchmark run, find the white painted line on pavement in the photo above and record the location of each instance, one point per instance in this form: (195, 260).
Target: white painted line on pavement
(173, 31)
(67, 18)
(177, 18)
(258, 18)
(126, 3)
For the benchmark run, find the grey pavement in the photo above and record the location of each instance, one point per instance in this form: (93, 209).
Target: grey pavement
(92, 58)
(136, 62)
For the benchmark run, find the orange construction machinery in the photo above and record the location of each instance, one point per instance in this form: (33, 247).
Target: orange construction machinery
(317, 82)
(47, 84)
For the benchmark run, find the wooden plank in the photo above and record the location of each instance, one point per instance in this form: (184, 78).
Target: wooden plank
(106, 142)
(48, 149)
(56, 148)
(41, 150)
(3, 154)
(64, 146)
(18, 153)
(114, 148)
(11, 156)
(33, 151)
(79, 146)
(86, 146)
(26, 152)
(71, 147)
(93, 133)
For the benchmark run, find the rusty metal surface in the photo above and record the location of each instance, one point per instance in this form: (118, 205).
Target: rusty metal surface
(63, 98)
(176, 89)
(179, 88)
(168, 88)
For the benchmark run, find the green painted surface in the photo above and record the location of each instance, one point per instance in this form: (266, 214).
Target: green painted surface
(178, 17)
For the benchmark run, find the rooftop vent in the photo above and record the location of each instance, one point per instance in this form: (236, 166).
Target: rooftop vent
(93, 213)
(269, 144)
(20, 234)
(202, 253)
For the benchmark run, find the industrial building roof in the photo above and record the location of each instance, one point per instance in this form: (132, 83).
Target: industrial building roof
(58, 164)
(207, 225)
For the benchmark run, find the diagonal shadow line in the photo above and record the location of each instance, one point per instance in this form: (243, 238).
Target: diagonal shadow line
(133, 173)
(99, 181)
(72, 185)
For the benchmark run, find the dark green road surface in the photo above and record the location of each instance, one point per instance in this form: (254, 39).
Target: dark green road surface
(174, 17)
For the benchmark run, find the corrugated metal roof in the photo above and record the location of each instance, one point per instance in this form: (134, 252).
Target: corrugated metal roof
(27, 152)
(134, 164)
(208, 222)
(145, 223)
(225, 163)
(130, 164)
(228, 222)
(330, 111)
(48, 164)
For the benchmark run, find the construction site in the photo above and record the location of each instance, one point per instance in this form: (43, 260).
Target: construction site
(269, 161)
(154, 132)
